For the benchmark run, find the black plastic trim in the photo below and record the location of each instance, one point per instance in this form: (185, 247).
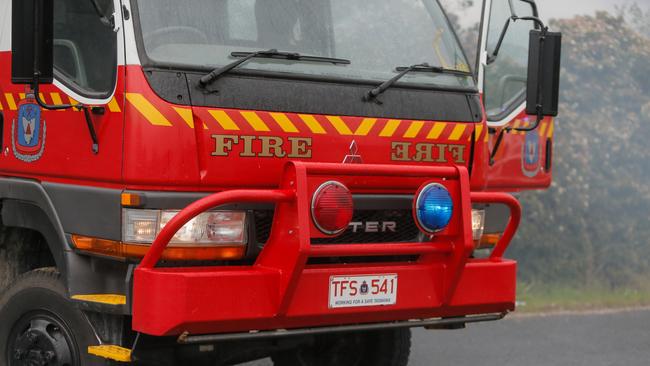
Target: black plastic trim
(440, 323)
(87, 210)
(31, 192)
(548, 165)
(382, 202)
(94, 275)
(27, 204)
(238, 91)
(27, 215)
(178, 200)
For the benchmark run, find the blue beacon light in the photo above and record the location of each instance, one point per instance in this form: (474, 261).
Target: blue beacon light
(434, 208)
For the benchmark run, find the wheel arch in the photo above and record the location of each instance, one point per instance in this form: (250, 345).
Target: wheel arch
(25, 204)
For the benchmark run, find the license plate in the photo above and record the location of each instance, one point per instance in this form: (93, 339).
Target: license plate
(355, 291)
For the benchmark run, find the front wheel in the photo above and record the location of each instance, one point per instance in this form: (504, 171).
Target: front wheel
(39, 325)
(379, 348)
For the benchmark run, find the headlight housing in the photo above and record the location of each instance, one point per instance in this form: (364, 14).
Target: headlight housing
(207, 229)
(478, 224)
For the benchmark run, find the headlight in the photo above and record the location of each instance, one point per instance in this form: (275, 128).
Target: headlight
(478, 224)
(140, 226)
(208, 229)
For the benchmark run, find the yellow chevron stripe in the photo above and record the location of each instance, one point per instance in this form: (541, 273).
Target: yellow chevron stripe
(390, 128)
(186, 115)
(224, 120)
(11, 103)
(515, 126)
(339, 125)
(365, 127)
(113, 106)
(255, 121)
(414, 129)
(312, 123)
(551, 126)
(73, 102)
(188, 118)
(436, 130)
(56, 99)
(542, 130)
(457, 132)
(284, 122)
(147, 109)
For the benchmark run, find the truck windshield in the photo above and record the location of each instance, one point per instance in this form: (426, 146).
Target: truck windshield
(376, 36)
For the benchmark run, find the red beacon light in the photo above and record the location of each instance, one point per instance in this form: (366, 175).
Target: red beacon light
(332, 208)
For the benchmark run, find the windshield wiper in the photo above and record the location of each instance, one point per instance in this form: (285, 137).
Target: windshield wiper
(374, 93)
(272, 53)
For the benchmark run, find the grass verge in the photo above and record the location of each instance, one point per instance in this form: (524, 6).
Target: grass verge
(552, 298)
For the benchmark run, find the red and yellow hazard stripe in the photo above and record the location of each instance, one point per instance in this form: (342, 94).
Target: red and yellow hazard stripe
(247, 121)
(9, 101)
(546, 127)
(163, 115)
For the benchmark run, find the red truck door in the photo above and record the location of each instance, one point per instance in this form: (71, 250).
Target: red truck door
(523, 158)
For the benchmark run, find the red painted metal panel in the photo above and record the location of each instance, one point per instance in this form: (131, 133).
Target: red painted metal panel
(520, 162)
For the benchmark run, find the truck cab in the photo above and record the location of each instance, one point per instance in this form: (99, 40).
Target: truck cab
(225, 180)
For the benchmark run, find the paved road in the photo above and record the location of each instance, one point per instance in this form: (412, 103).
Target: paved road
(603, 339)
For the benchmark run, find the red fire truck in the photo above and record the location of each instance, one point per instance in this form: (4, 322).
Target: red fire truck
(217, 181)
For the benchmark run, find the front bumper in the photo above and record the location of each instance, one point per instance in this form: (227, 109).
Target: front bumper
(282, 291)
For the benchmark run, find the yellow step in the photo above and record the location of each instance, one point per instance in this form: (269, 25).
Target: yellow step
(115, 353)
(107, 299)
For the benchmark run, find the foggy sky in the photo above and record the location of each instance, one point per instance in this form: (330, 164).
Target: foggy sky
(561, 8)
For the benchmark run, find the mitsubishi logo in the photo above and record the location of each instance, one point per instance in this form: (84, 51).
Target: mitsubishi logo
(353, 157)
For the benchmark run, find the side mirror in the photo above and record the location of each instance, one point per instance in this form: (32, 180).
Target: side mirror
(544, 58)
(32, 41)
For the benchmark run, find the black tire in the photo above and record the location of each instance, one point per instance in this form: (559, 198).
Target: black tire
(39, 323)
(390, 347)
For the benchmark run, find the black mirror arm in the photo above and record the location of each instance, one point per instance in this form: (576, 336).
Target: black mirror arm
(534, 6)
(491, 58)
(497, 144)
(91, 129)
(80, 106)
(537, 21)
(535, 18)
(109, 22)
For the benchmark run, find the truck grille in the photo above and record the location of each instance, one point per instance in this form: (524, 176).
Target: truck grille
(368, 226)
